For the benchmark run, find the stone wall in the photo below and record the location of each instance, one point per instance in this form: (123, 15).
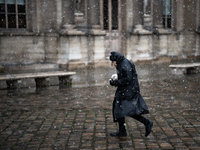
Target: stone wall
(51, 48)
(149, 46)
(22, 49)
(71, 33)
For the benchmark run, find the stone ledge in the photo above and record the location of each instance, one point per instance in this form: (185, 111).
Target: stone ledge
(163, 31)
(80, 64)
(97, 32)
(101, 63)
(161, 60)
(18, 33)
(71, 32)
(73, 65)
(27, 34)
(139, 30)
(79, 32)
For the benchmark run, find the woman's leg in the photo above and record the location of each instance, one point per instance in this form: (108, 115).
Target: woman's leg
(122, 129)
(148, 124)
(141, 119)
(121, 122)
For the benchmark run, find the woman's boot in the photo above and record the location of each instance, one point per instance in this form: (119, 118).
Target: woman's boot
(122, 129)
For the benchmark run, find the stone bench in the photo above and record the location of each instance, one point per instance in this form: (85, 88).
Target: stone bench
(41, 78)
(189, 68)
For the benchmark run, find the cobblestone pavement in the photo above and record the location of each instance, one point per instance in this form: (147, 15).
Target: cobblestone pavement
(81, 118)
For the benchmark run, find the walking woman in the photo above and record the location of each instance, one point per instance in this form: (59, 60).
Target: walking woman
(127, 100)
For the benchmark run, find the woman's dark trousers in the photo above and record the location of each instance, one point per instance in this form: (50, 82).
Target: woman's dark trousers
(121, 121)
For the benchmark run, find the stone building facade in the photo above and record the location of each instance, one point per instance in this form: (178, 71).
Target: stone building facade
(75, 33)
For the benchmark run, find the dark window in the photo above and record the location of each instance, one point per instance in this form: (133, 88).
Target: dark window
(105, 14)
(21, 8)
(114, 14)
(167, 13)
(11, 6)
(22, 21)
(11, 21)
(2, 7)
(2, 21)
(12, 14)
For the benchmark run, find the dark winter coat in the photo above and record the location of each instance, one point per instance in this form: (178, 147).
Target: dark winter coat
(127, 101)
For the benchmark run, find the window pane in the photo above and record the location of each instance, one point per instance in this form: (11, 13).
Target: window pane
(22, 21)
(105, 14)
(115, 14)
(2, 7)
(164, 7)
(10, 1)
(169, 22)
(11, 21)
(168, 7)
(21, 9)
(168, 11)
(168, 2)
(2, 1)
(163, 10)
(11, 8)
(20, 2)
(2, 21)
(164, 2)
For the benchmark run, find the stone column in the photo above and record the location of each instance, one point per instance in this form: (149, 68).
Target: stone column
(180, 15)
(95, 48)
(198, 16)
(93, 14)
(138, 12)
(147, 6)
(197, 53)
(147, 15)
(101, 14)
(59, 14)
(68, 13)
(157, 13)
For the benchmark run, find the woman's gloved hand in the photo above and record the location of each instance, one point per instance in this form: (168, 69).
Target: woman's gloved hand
(112, 82)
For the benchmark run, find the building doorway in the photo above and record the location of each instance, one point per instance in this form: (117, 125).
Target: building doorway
(112, 24)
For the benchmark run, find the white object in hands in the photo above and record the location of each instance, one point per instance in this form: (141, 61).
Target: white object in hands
(114, 77)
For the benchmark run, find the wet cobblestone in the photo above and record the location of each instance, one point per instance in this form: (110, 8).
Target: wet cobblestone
(81, 117)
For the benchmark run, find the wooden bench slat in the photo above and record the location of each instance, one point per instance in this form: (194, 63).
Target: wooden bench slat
(35, 75)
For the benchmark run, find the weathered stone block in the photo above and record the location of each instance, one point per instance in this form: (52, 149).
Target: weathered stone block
(12, 84)
(65, 81)
(42, 82)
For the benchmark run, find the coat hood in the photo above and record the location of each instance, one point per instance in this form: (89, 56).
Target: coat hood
(115, 56)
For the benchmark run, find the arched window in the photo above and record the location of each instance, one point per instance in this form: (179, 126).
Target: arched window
(12, 14)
